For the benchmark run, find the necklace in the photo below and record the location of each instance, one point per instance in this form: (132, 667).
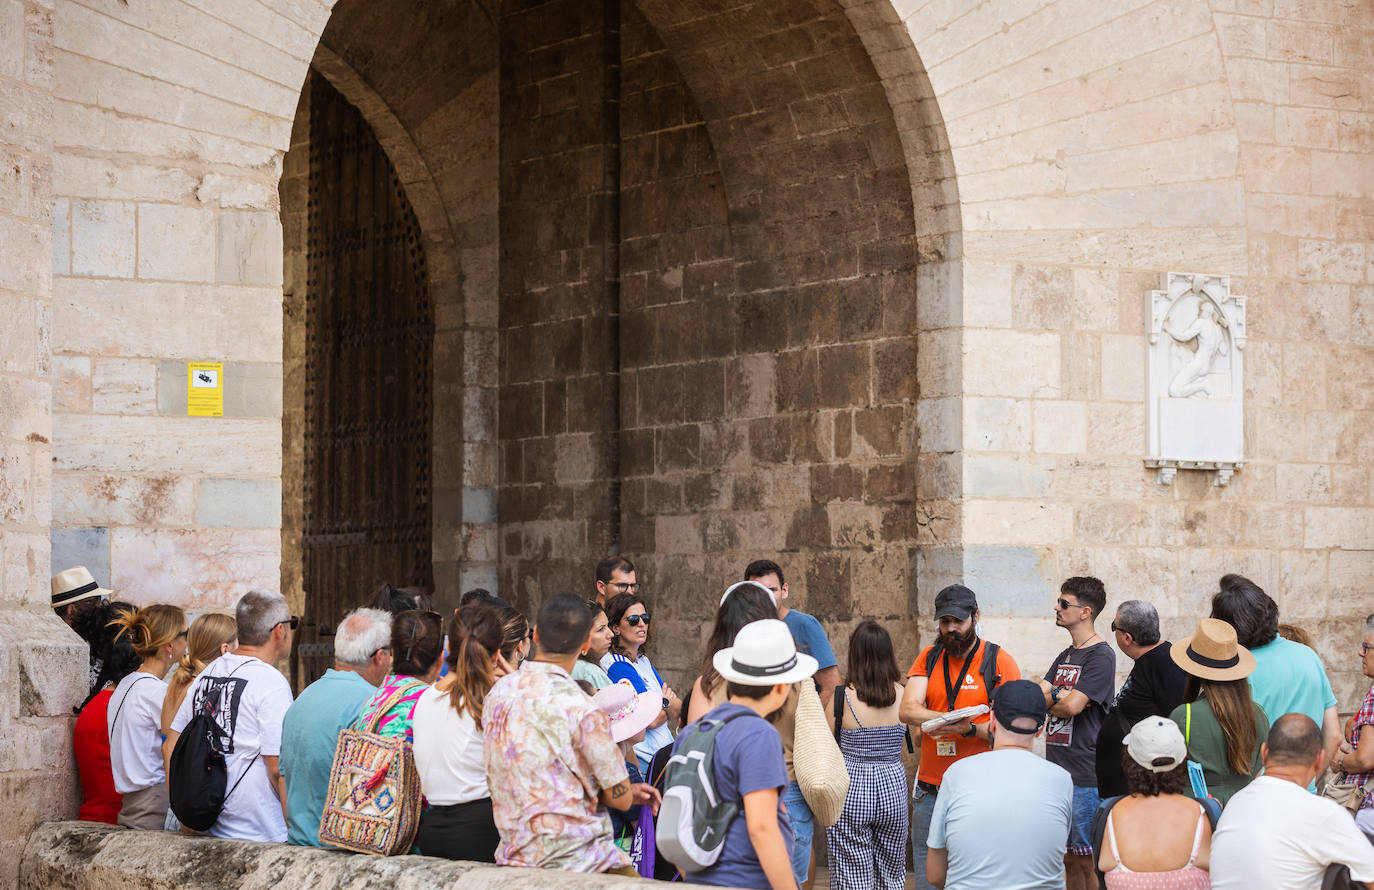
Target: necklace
(1084, 644)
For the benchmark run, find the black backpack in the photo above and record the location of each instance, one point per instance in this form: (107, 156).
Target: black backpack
(988, 669)
(197, 776)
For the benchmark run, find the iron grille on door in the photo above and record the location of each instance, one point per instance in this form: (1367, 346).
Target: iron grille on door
(368, 380)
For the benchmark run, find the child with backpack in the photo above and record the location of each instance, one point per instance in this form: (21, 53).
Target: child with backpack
(732, 832)
(631, 713)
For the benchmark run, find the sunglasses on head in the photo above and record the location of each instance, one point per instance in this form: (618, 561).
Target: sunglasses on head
(633, 620)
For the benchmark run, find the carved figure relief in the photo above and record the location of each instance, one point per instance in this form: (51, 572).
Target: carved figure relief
(1195, 378)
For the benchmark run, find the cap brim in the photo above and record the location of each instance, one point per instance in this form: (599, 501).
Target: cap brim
(1244, 667)
(955, 612)
(723, 660)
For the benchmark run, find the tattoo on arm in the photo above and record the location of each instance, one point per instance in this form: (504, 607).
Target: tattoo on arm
(620, 788)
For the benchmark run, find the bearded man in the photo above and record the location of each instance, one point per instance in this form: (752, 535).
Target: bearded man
(959, 671)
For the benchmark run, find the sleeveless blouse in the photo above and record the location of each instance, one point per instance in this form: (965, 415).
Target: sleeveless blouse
(1189, 877)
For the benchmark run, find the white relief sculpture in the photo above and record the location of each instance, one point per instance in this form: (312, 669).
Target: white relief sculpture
(1195, 380)
(1207, 329)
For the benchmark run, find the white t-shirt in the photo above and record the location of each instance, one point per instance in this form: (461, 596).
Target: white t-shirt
(1275, 835)
(248, 698)
(136, 737)
(448, 751)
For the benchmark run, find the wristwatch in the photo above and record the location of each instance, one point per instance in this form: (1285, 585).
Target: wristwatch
(1054, 695)
(972, 731)
(665, 702)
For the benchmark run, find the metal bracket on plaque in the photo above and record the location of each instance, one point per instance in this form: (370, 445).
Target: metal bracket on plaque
(1195, 384)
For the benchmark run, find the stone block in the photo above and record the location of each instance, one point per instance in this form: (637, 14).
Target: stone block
(1347, 528)
(939, 424)
(85, 499)
(89, 547)
(1060, 427)
(12, 39)
(998, 476)
(61, 237)
(250, 249)
(159, 445)
(1011, 363)
(16, 484)
(1123, 368)
(25, 414)
(205, 568)
(176, 243)
(251, 389)
(996, 425)
(103, 239)
(479, 505)
(51, 660)
(987, 295)
(1041, 298)
(1010, 581)
(72, 383)
(1017, 522)
(238, 503)
(189, 321)
(1095, 299)
(124, 386)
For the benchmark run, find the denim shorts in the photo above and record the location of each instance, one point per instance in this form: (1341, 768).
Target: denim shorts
(1085, 801)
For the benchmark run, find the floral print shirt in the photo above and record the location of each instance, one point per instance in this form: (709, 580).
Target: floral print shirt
(549, 755)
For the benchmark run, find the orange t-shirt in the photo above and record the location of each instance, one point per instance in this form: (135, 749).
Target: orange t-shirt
(971, 692)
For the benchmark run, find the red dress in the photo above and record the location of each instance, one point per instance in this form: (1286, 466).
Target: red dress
(91, 739)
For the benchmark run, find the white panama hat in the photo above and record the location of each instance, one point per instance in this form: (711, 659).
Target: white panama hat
(764, 654)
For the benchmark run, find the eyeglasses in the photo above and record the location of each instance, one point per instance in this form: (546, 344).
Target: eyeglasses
(624, 586)
(1365, 647)
(1065, 604)
(378, 649)
(293, 621)
(633, 620)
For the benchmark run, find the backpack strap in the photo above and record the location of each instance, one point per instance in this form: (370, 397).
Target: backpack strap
(989, 668)
(122, 701)
(390, 702)
(1099, 825)
(934, 655)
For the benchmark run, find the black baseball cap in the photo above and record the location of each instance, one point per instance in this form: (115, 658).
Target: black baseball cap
(955, 601)
(1017, 699)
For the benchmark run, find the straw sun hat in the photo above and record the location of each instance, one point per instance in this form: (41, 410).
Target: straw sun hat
(1212, 652)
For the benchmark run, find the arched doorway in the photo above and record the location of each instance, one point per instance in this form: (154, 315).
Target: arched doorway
(674, 298)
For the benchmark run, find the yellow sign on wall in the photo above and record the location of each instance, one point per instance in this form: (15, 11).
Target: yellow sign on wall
(205, 389)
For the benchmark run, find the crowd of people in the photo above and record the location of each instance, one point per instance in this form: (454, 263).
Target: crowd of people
(553, 744)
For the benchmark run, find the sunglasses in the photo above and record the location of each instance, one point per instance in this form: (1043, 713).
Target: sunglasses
(1065, 604)
(633, 620)
(293, 621)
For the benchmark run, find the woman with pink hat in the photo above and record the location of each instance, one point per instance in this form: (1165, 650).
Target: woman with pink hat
(631, 713)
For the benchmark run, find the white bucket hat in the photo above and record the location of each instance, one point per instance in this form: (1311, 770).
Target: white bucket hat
(764, 654)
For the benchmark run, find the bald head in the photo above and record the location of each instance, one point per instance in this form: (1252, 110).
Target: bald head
(1294, 740)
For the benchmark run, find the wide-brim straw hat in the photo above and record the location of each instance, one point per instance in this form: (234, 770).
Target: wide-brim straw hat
(74, 585)
(764, 654)
(1213, 653)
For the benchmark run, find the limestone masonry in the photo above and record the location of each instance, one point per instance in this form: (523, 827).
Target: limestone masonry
(857, 285)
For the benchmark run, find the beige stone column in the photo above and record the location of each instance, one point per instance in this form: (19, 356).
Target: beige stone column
(42, 663)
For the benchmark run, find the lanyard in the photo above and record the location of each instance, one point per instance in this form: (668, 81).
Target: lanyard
(952, 688)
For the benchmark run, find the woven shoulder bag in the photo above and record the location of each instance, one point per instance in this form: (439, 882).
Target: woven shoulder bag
(373, 800)
(816, 759)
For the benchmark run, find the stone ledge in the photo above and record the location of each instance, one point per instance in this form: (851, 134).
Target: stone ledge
(93, 856)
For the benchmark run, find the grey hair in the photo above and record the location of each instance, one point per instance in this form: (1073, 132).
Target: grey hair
(257, 612)
(360, 635)
(1139, 619)
(1369, 625)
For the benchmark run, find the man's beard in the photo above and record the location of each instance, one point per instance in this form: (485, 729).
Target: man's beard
(957, 644)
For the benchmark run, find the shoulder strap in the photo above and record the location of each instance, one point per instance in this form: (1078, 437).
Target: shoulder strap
(1097, 832)
(118, 710)
(989, 668)
(1111, 841)
(1188, 723)
(934, 655)
(839, 711)
(1197, 834)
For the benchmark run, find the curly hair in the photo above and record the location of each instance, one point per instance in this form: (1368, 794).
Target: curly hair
(1150, 783)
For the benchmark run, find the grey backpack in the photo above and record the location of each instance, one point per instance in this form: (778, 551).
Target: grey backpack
(693, 819)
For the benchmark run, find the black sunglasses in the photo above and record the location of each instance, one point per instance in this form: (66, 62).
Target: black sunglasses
(1065, 604)
(633, 620)
(293, 621)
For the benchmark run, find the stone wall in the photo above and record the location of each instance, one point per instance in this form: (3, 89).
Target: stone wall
(88, 856)
(42, 663)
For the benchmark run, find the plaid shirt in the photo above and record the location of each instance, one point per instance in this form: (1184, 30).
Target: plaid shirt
(1363, 717)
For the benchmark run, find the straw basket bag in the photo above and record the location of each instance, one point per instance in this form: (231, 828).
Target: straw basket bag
(373, 802)
(817, 760)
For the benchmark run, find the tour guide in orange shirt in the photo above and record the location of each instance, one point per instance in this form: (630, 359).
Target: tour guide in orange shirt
(945, 677)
